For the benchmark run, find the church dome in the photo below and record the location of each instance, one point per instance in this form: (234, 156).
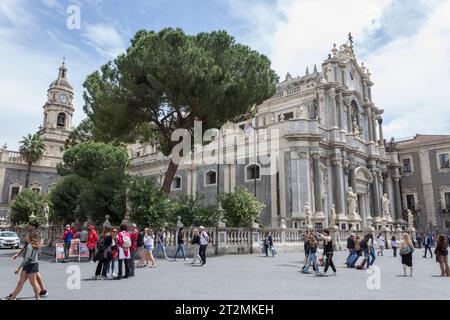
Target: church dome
(62, 78)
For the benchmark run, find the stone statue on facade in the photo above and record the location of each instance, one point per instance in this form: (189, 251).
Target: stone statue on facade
(308, 215)
(332, 217)
(410, 219)
(355, 129)
(352, 202)
(46, 213)
(385, 203)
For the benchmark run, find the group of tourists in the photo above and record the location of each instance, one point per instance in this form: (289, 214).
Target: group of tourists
(362, 252)
(127, 245)
(311, 243)
(29, 267)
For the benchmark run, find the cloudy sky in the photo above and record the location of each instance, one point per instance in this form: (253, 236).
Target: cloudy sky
(405, 44)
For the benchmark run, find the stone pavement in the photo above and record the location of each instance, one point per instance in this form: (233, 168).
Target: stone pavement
(240, 277)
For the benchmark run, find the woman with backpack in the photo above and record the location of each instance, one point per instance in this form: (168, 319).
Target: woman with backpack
(441, 253)
(92, 242)
(104, 254)
(406, 251)
(124, 244)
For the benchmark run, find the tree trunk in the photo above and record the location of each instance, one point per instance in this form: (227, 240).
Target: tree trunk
(173, 167)
(27, 178)
(170, 174)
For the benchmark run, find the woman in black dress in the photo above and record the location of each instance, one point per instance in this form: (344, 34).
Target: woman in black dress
(406, 251)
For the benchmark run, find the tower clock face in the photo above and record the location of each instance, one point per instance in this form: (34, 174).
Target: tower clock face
(63, 98)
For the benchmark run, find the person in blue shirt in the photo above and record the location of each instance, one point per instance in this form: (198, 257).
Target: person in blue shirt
(67, 237)
(427, 244)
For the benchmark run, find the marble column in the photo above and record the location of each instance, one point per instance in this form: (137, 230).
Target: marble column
(317, 184)
(332, 95)
(351, 175)
(370, 125)
(380, 130)
(376, 194)
(374, 128)
(398, 200)
(349, 116)
(341, 111)
(339, 185)
(294, 184)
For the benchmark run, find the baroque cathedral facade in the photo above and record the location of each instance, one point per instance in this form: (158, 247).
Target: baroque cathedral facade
(329, 164)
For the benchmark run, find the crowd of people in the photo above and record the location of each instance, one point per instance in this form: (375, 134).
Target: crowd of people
(131, 249)
(126, 245)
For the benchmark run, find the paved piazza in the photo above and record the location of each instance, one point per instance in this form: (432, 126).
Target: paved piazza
(240, 277)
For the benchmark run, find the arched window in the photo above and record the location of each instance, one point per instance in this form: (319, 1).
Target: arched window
(176, 183)
(210, 178)
(61, 121)
(252, 172)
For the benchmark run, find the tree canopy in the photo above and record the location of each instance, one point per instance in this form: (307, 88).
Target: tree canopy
(241, 207)
(32, 150)
(93, 183)
(168, 79)
(26, 203)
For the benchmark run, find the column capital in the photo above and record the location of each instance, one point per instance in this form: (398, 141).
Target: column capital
(336, 161)
(315, 155)
(396, 178)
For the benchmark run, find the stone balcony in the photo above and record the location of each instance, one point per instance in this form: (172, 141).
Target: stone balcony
(14, 157)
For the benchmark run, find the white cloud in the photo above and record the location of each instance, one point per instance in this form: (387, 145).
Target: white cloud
(410, 68)
(13, 13)
(104, 38)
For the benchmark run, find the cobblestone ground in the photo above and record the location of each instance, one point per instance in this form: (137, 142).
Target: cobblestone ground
(241, 277)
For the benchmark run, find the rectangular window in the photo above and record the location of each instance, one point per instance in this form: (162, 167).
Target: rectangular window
(447, 200)
(287, 116)
(410, 202)
(444, 160)
(406, 165)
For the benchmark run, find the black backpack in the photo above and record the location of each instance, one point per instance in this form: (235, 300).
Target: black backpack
(140, 240)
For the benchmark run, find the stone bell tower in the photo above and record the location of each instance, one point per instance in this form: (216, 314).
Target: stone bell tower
(58, 112)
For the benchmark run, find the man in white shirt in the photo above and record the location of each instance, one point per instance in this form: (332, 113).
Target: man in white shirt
(204, 239)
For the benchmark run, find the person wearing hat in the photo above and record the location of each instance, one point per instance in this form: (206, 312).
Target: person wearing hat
(204, 239)
(92, 241)
(67, 237)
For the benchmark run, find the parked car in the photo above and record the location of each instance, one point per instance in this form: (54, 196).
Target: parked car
(9, 239)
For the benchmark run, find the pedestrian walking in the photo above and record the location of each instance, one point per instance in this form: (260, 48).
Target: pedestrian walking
(67, 237)
(394, 245)
(161, 243)
(134, 248)
(196, 246)
(428, 240)
(270, 244)
(367, 246)
(149, 241)
(33, 232)
(419, 241)
(29, 268)
(124, 244)
(180, 245)
(328, 251)
(441, 253)
(380, 243)
(351, 250)
(92, 242)
(406, 251)
(103, 254)
(312, 257)
(204, 240)
(306, 246)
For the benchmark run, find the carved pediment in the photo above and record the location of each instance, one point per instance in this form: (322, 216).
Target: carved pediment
(363, 174)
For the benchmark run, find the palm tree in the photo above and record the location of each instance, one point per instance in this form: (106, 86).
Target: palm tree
(31, 149)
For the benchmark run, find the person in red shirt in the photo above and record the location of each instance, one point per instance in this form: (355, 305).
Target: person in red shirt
(134, 234)
(92, 241)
